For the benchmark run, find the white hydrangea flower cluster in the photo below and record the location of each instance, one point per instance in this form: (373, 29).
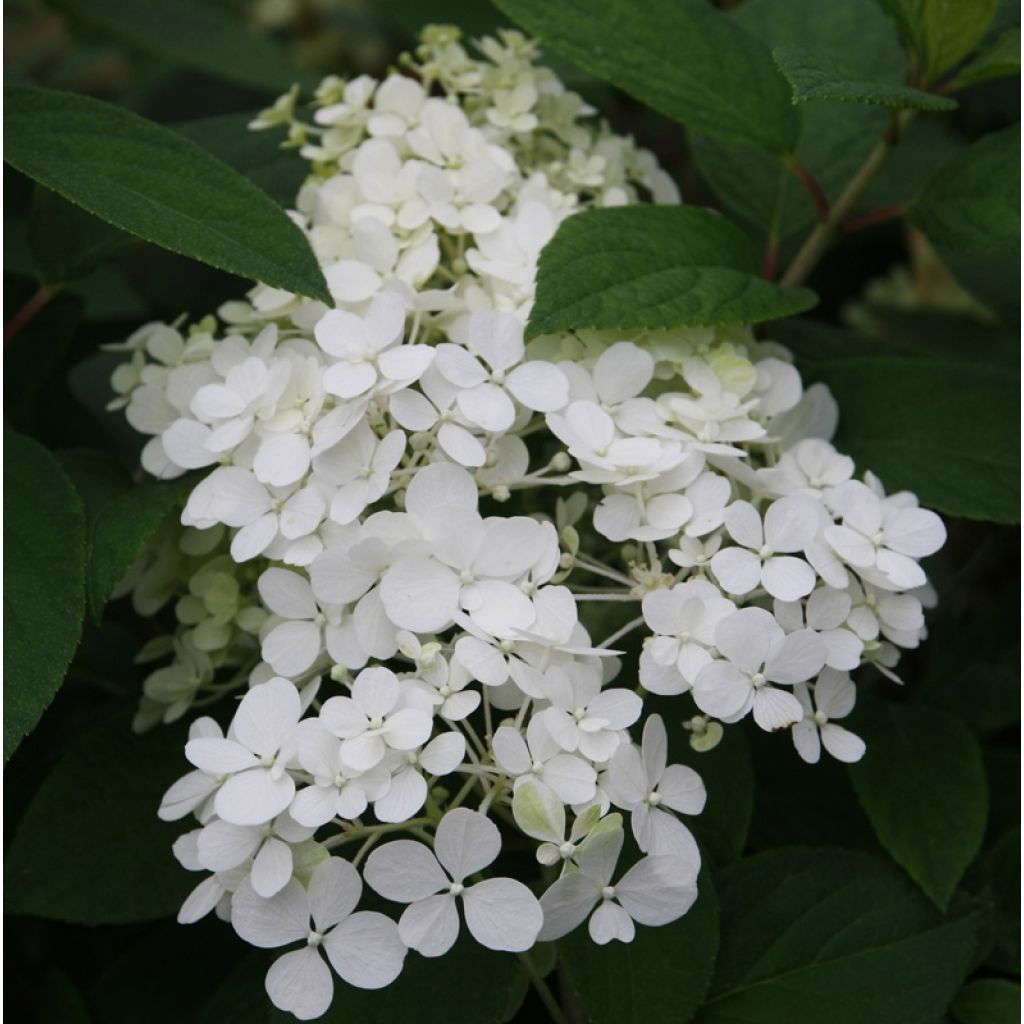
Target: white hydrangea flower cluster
(415, 660)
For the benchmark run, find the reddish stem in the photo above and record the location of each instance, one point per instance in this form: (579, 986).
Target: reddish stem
(809, 182)
(879, 216)
(28, 311)
(769, 259)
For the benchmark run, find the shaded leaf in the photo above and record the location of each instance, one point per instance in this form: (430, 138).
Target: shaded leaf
(972, 205)
(654, 267)
(90, 848)
(194, 34)
(684, 58)
(44, 582)
(814, 77)
(149, 181)
(987, 1001)
(922, 784)
(951, 29)
(1000, 59)
(829, 936)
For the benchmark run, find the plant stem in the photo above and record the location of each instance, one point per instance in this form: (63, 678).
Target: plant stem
(547, 997)
(29, 310)
(809, 182)
(821, 237)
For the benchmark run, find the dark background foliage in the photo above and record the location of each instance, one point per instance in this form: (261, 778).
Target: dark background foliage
(888, 892)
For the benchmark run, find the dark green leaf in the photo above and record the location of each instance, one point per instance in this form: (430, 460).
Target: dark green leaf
(241, 997)
(922, 784)
(44, 582)
(682, 57)
(906, 15)
(256, 154)
(654, 267)
(121, 530)
(987, 1001)
(1002, 866)
(90, 848)
(67, 243)
(1001, 58)
(834, 141)
(951, 29)
(194, 34)
(939, 427)
(60, 1002)
(468, 985)
(828, 936)
(814, 77)
(148, 180)
(973, 203)
(658, 978)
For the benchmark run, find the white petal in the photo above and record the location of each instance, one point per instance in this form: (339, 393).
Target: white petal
(807, 741)
(466, 842)
(572, 778)
(265, 923)
(842, 744)
(743, 522)
(510, 751)
(254, 797)
(300, 984)
(430, 926)
(272, 868)
(223, 846)
(791, 523)
(916, 532)
(267, 716)
(540, 386)
(200, 901)
(366, 950)
(438, 489)
(334, 891)
(657, 890)
(787, 578)
(503, 914)
(404, 871)
(800, 657)
(681, 789)
(420, 595)
(539, 812)
(460, 445)
(405, 796)
(219, 756)
(610, 921)
(287, 594)
(738, 570)
(282, 459)
(776, 709)
(291, 647)
(443, 755)
(566, 905)
(487, 406)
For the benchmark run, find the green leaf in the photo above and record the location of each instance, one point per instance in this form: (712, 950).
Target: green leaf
(653, 267)
(468, 985)
(922, 784)
(44, 582)
(829, 936)
(814, 77)
(256, 154)
(241, 997)
(1002, 866)
(938, 426)
(834, 141)
(684, 58)
(90, 848)
(60, 1002)
(987, 1001)
(972, 205)
(658, 978)
(120, 531)
(67, 242)
(194, 34)
(951, 29)
(906, 15)
(151, 182)
(1000, 59)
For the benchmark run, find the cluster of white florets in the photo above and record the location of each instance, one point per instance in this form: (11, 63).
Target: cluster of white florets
(415, 660)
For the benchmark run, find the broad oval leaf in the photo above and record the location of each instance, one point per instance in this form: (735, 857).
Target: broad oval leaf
(829, 936)
(922, 785)
(972, 205)
(814, 77)
(44, 582)
(684, 58)
(654, 267)
(90, 848)
(658, 978)
(940, 426)
(193, 34)
(1001, 58)
(987, 1001)
(149, 181)
(951, 29)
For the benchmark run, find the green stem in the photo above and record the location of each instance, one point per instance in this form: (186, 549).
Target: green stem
(547, 997)
(821, 237)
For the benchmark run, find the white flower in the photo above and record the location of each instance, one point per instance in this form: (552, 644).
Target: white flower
(790, 524)
(655, 891)
(834, 697)
(192, 791)
(500, 912)
(684, 621)
(371, 721)
(758, 653)
(642, 782)
(358, 469)
(222, 846)
(254, 755)
(540, 758)
(364, 947)
(825, 611)
(882, 538)
(540, 813)
(584, 717)
(408, 790)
